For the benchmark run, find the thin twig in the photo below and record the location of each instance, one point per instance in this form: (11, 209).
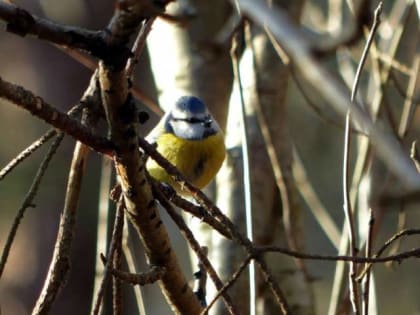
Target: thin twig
(227, 284)
(117, 299)
(365, 147)
(200, 280)
(154, 274)
(28, 200)
(117, 230)
(235, 54)
(394, 238)
(195, 246)
(349, 218)
(198, 195)
(366, 289)
(60, 263)
(414, 253)
(102, 225)
(354, 292)
(91, 64)
(36, 145)
(138, 46)
(133, 264)
(194, 210)
(401, 225)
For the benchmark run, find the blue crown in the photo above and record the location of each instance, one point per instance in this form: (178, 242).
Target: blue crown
(191, 104)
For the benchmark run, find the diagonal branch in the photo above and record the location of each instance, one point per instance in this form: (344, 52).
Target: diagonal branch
(35, 145)
(202, 256)
(38, 107)
(28, 201)
(237, 236)
(193, 209)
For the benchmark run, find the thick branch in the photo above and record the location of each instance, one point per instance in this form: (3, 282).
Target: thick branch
(109, 45)
(141, 207)
(21, 22)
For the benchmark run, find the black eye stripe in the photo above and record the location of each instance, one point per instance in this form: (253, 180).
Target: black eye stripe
(194, 120)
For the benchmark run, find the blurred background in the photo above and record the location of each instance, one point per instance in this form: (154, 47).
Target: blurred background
(60, 80)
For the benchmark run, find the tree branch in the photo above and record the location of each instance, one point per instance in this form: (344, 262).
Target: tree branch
(154, 274)
(140, 205)
(27, 202)
(38, 107)
(35, 145)
(22, 23)
(116, 236)
(60, 264)
(195, 246)
(198, 195)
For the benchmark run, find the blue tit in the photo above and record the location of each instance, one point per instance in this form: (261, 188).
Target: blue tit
(189, 138)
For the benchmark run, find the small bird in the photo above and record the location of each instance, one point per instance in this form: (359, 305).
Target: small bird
(189, 138)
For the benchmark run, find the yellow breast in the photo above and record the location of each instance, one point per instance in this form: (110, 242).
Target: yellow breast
(198, 160)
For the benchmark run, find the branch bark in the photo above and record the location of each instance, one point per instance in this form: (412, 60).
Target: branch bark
(38, 107)
(129, 163)
(141, 207)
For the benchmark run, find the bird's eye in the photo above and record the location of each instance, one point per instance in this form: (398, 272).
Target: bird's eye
(194, 120)
(207, 122)
(191, 120)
